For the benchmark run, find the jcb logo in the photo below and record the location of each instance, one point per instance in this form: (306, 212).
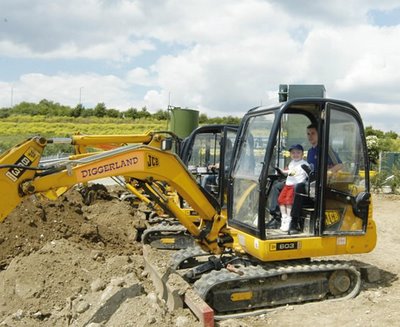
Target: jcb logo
(331, 217)
(32, 154)
(24, 161)
(152, 161)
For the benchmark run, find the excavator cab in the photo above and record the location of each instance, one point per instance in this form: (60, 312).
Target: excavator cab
(335, 214)
(207, 153)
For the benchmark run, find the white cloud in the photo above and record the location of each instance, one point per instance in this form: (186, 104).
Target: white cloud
(221, 57)
(117, 50)
(140, 76)
(11, 49)
(380, 116)
(155, 99)
(70, 89)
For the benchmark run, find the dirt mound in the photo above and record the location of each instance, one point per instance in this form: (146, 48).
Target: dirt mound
(64, 263)
(37, 221)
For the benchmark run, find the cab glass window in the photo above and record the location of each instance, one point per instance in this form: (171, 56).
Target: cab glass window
(346, 165)
(205, 151)
(248, 168)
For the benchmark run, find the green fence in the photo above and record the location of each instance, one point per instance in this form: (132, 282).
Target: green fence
(389, 161)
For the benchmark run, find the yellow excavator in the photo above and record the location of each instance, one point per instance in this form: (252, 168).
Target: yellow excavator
(253, 266)
(205, 151)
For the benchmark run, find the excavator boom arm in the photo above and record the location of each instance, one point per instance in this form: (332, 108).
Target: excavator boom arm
(141, 162)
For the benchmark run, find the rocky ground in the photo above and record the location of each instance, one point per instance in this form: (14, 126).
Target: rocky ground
(63, 263)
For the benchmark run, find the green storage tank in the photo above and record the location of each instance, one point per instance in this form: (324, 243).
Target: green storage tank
(183, 121)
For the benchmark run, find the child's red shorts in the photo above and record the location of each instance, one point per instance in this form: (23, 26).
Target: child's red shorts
(287, 195)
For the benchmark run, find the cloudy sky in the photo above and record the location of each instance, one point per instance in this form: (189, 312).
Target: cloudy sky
(220, 57)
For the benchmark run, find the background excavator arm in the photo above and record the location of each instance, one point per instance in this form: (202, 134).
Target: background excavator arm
(141, 162)
(16, 165)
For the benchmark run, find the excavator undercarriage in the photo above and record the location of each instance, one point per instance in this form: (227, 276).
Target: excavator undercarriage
(246, 288)
(239, 285)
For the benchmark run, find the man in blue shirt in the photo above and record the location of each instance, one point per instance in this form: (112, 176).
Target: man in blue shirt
(334, 162)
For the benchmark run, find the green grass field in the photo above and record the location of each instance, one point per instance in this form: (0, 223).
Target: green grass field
(16, 129)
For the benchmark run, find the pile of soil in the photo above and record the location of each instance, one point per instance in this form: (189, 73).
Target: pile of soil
(38, 220)
(64, 263)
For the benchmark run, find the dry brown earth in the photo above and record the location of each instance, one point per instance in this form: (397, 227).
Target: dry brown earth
(66, 264)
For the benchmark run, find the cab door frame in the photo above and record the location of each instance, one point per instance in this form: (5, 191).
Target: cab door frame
(360, 202)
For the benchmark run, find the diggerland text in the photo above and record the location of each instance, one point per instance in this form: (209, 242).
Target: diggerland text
(109, 167)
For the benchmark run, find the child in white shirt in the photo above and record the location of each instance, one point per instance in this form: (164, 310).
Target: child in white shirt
(295, 174)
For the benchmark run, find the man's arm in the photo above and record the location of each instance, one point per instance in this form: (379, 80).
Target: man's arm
(334, 162)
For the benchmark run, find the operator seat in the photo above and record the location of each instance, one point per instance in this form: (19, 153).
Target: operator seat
(307, 200)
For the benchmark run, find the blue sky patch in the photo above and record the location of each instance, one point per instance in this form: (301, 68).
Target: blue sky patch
(385, 17)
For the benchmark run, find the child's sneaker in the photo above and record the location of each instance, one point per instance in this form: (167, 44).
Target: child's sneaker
(285, 224)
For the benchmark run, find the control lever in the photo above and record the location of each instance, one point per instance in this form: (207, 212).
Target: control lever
(306, 168)
(280, 172)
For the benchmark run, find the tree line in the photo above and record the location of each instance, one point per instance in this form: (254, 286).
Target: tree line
(51, 109)
(377, 140)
